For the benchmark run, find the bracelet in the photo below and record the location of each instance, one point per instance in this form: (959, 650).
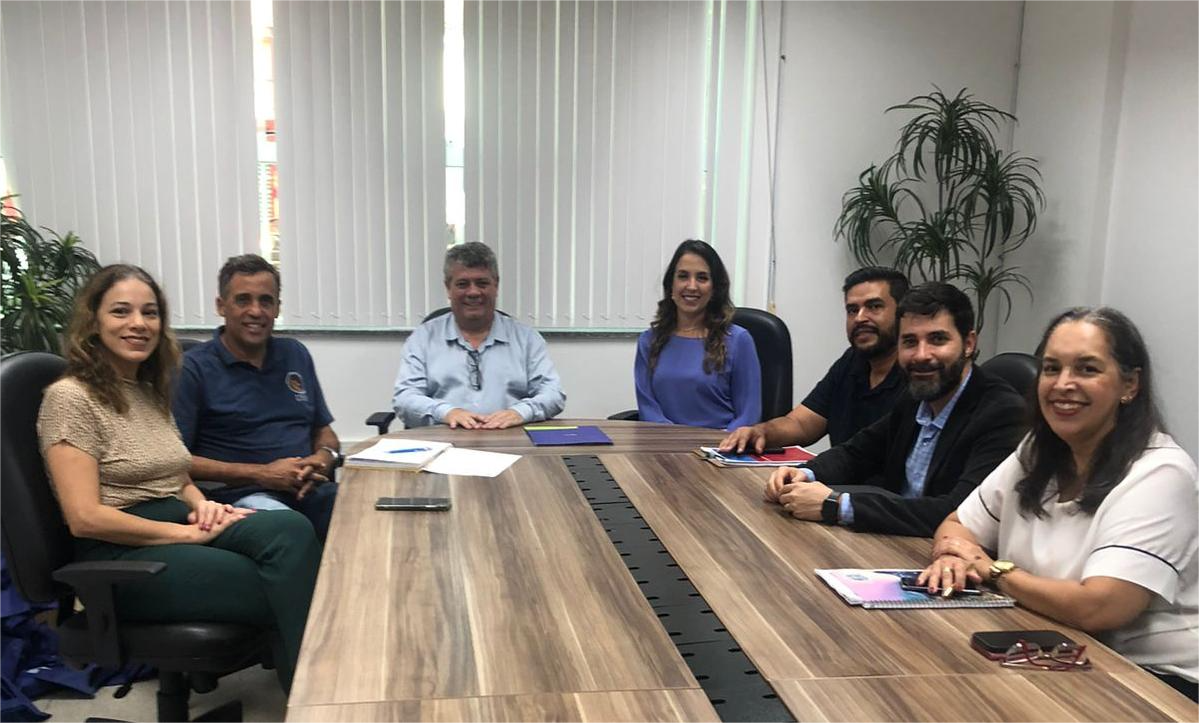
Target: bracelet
(337, 458)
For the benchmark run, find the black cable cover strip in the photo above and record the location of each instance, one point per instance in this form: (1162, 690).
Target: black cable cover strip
(734, 686)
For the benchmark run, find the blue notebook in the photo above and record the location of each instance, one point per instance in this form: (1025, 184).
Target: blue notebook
(549, 435)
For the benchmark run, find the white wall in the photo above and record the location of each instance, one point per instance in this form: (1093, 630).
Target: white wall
(1152, 260)
(846, 63)
(1107, 101)
(1069, 105)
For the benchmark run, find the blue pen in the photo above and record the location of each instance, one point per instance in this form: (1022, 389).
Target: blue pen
(410, 449)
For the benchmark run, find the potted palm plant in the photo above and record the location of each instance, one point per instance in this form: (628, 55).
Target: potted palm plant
(39, 275)
(949, 204)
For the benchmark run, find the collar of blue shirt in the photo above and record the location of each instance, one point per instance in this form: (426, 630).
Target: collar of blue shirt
(500, 331)
(227, 357)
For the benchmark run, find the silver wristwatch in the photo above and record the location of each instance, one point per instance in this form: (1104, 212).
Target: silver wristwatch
(337, 458)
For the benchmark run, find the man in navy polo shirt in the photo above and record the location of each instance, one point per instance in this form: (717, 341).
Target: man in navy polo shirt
(250, 408)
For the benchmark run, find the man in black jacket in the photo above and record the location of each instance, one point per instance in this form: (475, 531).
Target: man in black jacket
(955, 425)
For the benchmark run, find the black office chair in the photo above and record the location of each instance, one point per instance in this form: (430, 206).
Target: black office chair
(382, 420)
(38, 548)
(1017, 369)
(772, 341)
(185, 344)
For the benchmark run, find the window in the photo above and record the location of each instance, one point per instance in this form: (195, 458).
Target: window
(153, 160)
(581, 140)
(599, 136)
(362, 161)
(263, 22)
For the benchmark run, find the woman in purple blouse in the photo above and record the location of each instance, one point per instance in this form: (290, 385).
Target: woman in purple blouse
(694, 366)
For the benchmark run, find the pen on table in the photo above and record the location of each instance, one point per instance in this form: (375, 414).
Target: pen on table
(410, 449)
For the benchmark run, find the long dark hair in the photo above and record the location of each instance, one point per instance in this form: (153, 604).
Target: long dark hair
(1046, 455)
(718, 317)
(86, 358)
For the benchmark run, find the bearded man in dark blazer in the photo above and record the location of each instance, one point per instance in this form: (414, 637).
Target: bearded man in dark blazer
(905, 473)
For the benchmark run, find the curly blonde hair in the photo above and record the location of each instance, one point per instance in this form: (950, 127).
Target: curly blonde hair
(87, 360)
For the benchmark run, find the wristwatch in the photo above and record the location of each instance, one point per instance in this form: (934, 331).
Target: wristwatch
(999, 568)
(337, 458)
(830, 509)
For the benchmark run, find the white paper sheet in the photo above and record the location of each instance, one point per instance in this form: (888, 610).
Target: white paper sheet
(471, 462)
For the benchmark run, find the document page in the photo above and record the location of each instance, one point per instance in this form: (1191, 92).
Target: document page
(471, 462)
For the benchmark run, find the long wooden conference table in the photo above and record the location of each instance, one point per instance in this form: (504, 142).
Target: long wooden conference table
(527, 602)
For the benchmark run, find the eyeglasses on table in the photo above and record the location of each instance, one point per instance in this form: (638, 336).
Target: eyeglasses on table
(1063, 656)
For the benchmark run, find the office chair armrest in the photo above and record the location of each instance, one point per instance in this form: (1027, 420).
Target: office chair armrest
(629, 415)
(93, 583)
(381, 421)
(106, 572)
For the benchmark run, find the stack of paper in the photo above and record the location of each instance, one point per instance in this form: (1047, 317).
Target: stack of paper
(398, 454)
(785, 457)
(471, 463)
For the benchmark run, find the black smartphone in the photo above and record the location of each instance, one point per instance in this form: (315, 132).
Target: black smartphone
(412, 503)
(907, 581)
(995, 643)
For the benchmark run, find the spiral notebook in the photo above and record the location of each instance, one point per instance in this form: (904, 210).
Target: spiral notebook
(397, 454)
(880, 590)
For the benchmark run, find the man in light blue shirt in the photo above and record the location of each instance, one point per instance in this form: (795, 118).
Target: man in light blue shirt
(475, 368)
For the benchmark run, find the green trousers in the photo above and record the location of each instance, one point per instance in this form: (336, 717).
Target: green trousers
(259, 571)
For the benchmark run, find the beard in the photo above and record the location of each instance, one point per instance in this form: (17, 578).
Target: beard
(948, 378)
(883, 344)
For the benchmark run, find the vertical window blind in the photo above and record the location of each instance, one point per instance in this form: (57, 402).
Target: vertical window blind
(132, 124)
(599, 135)
(361, 161)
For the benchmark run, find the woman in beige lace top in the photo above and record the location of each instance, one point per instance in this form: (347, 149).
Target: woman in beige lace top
(120, 472)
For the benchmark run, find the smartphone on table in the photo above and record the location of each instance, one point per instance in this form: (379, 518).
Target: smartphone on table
(393, 504)
(907, 581)
(995, 643)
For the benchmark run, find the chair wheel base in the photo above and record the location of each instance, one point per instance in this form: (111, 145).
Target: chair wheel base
(174, 691)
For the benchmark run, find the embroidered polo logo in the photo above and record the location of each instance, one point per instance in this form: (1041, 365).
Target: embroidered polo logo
(295, 383)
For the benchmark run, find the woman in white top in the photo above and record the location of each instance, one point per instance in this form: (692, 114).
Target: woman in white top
(1095, 515)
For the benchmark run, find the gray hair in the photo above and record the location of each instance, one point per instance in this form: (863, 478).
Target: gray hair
(472, 255)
